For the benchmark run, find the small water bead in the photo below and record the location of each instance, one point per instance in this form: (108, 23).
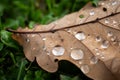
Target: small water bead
(98, 39)
(113, 38)
(114, 3)
(33, 48)
(119, 43)
(80, 62)
(33, 35)
(105, 44)
(48, 53)
(93, 60)
(109, 34)
(58, 51)
(97, 53)
(101, 3)
(77, 54)
(80, 36)
(43, 39)
(96, 49)
(114, 22)
(106, 21)
(85, 68)
(27, 40)
(102, 57)
(92, 13)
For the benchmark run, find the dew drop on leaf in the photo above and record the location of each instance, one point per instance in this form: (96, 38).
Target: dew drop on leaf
(80, 36)
(27, 40)
(105, 44)
(114, 3)
(93, 60)
(92, 13)
(109, 34)
(77, 54)
(106, 21)
(98, 39)
(85, 68)
(58, 51)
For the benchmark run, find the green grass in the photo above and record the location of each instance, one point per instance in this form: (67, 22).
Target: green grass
(21, 13)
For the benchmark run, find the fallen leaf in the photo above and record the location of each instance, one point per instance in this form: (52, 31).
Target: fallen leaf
(89, 38)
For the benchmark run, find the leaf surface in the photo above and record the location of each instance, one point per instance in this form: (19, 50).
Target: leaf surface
(89, 38)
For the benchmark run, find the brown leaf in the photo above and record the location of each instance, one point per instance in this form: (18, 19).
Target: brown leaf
(89, 38)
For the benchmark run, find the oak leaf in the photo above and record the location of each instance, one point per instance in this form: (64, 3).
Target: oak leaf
(89, 38)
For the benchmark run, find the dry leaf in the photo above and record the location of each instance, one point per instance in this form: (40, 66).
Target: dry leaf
(89, 38)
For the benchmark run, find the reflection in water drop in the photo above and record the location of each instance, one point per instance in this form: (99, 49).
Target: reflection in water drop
(80, 36)
(85, 68)
(58, 51)
(77, 54)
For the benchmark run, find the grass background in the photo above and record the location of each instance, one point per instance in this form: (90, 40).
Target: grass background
(21, 13)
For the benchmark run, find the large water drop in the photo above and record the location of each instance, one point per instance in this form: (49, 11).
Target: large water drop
(105, 44)
(58, 51)
(80, 36)
(85, 68)
(77, 54)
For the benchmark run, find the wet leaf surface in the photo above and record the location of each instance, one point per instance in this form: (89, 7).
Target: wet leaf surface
(92, 42)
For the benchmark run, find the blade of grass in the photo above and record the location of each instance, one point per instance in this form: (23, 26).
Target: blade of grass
(22, 65)
(49, 5)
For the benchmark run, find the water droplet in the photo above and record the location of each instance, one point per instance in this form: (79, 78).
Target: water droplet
(48, 53)
(80, 36)
(105, 44)
(97, 53)
(71, 48)
(43, 39)
(96, 49)
(98, 39)
(101, 3)
(119, 43)
(92, 13)
(106, 21)
(33, 48)
(102, 57)
(109, 34)
(80, 62)
(58, 51)
(113, 38)
(114, 3)
(33, 35)
(93, 60)
(69, 30)
(27, 40)
(114, 22)
(77, 54)
(85, 68)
